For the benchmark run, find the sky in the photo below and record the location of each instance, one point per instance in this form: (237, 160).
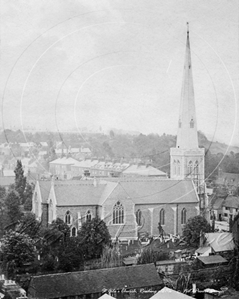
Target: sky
(68, 64)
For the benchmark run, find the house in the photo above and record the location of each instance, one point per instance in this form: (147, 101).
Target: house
(93, 283)
(83, 167)
(143, 170)
(204, 251)
(170, 267)
(219, 242)
(167, 293)
(215, 207)
(230, 207)
(128, 207)
(61, 167)
(228, 180)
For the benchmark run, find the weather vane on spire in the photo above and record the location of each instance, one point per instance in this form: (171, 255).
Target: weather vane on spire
(187, 28)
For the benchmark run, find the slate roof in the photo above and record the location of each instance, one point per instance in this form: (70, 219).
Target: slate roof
(93, 281)
(167, 293)
(81, 193)
(220, 241)
(231, 201)
(64, 161)
(45, 187)
(160, 191)
(212, 259)
(88, 163)
(202, 250)
(216, 203)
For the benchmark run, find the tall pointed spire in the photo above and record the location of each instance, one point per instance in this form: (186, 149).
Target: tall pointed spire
(187, 137)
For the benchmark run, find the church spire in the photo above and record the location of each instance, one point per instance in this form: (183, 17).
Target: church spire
(187, 137)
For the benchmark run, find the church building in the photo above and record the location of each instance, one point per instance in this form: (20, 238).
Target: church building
(135, 205)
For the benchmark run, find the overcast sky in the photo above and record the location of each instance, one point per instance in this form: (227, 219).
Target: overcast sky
(69, 64)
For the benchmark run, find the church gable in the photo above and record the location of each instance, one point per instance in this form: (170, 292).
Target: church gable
(118, 211)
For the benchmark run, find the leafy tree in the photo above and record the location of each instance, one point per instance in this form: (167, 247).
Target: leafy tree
(12, 206)
(29, 225)
(20, 181)
(193, 229)
(71, 255)
(111, 257)
(3, 221)
(149, 255)
(93, 237)
(16, 249)
(28, 197)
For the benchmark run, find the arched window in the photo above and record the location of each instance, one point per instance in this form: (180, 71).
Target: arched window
(88, 216)
(50, 211)
(190, 168)
(73, 231)
(68, 218)
(118, 213)
(196, 168)
(183, 216)
(138, 217)
(162, 217)
(178, 168)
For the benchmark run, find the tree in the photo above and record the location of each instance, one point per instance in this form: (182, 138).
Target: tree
(20, 181)
(93, 237)
(193, 229)
(12, 206)
(111, 257)
(3, 221)
(17, 249)
(71, 255)
(28, 196)
(149, 255)
(29, 225)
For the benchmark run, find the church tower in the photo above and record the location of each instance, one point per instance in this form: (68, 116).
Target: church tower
(187, 159)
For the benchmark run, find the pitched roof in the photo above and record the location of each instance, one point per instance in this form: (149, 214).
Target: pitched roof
(160, 191)
(94, 281)
(106, 296)
(212, 259)
(202, 250)
(88, 163)
(216, 203)
(64, 161)
(220, 241)
(167, 293)
(79, 193)
(231, 201)
(45, 187)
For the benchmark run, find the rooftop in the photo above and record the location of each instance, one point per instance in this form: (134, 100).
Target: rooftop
(212, 259)
(93, 281)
